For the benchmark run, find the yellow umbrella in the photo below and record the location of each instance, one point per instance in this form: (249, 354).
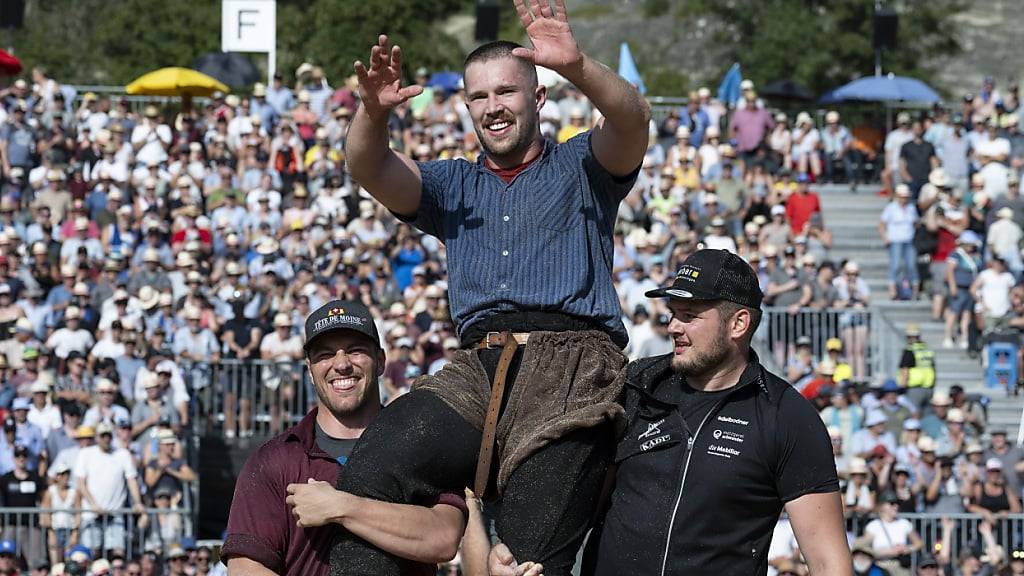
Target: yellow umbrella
(175, 81)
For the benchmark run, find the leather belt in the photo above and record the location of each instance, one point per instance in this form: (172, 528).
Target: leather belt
(508, 342)
(499, 339)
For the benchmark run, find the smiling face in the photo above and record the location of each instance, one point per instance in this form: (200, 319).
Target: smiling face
(345, 367)
(504, 102)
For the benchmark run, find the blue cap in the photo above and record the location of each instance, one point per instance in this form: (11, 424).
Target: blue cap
(890, 385)
(21, 404)
(188, 543)
(969, 237)
(81, 548)
(8, 547)
(803, 177)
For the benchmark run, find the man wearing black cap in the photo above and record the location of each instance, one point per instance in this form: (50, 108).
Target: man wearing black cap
(345, 361)
(715, 446)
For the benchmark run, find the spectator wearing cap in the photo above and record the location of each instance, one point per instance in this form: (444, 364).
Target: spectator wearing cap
(150, 273)
(933, 423)
(284, 348)
(917, 368)
(105, 407)
(894, 141)
(71, 337)
(24, 339)
(105, 477)
(875, 433)
(894, 406)
(891, 537)
(990, 497)
(963, 267)
(396, 380)
(801, 205)
(195, 342)
(841, 414)
(66, 436)
(858, 498)
(837, 148)
(658, 342)
(632, 288)
(777, 232)
(23, 488)
(151, 138)
(42, 412)
(946, 490)
(342, 346)
(1002, 237)
(917, 160)
(749, 125)
(819, 387)
(788, 286)
(61, 526)
(111, 345)
(1010, 455)
(991, 291)
(806, 144)
(450, 345)
(974, 413)
(76, 383)
(896, 227)
(166, 470)
(954, 442)
(29, 435)
(151, 408)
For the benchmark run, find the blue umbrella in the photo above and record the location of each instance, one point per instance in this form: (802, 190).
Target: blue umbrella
(883, 89)
(628, 70)
(729, 89)
(445, 80)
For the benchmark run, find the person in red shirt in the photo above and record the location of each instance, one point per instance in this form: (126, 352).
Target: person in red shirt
(292, 476)
(800, 205)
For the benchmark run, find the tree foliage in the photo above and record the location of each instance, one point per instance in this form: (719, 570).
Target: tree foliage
(826, 43)
(104, 42)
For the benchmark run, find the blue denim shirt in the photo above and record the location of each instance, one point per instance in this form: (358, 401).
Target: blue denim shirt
(541, 243)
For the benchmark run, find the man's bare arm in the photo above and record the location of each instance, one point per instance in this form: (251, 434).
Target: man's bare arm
(239, 566)
(418, 533)
(817, 521)
(620, 138)
(392, 178)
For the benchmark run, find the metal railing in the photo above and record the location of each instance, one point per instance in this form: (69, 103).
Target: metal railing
(871, 343)
(965, 534)
(240, 397)
(37, 537)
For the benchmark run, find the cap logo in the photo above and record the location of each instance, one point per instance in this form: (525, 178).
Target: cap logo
(338, 318)
(687, 272)
(335, 311)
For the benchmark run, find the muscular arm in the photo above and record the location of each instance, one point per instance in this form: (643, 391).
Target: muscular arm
(429, 535)
(239, 566)
(393, 179)
(620, 138)
(817, 521)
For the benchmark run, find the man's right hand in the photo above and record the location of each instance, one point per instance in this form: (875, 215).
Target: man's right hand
(500, 562)
(380, 86)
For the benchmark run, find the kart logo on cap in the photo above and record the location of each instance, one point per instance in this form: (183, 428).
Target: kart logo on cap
(334, 311)
(688, 272)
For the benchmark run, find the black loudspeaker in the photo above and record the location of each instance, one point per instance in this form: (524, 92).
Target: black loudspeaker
(487, 15)
(886, 23)
(12, 13)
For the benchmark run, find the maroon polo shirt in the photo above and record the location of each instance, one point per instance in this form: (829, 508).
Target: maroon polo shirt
(261, 526)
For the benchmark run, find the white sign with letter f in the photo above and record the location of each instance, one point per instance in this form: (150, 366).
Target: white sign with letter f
(249, 26)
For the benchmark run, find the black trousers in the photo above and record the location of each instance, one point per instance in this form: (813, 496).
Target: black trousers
(419, 448)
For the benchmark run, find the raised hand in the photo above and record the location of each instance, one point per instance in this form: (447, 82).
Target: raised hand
(380, 86)
(554, 46)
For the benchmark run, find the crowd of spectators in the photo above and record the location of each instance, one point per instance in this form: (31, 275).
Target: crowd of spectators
(141, 246)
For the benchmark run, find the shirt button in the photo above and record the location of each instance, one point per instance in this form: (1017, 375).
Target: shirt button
(505, 218)
(504, 252)
(503, 286)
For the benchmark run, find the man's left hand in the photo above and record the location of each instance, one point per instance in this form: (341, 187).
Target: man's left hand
(315, 503)
(554, 46)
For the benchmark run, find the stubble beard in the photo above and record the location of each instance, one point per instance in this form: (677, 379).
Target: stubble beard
(524, 130)
(704, 361)
(346, 408)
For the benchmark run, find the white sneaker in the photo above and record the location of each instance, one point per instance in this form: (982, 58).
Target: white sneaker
(229, 434)
(947, 343)
(963, 344)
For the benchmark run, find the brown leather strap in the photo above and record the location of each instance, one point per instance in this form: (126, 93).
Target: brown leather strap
(483, 464)
(499, 339)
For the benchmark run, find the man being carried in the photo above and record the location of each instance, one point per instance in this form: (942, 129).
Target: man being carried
(528, 232)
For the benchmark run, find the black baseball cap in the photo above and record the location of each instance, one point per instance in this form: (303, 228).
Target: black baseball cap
(927, 561)
(340, 315)
(714, 275)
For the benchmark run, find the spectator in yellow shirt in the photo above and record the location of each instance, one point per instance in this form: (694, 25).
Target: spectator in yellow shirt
(576, 125)
(834, 348)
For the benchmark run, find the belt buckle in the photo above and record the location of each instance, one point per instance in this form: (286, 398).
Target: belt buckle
(487, 340)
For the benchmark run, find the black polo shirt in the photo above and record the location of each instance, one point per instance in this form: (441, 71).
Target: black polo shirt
(702, 478)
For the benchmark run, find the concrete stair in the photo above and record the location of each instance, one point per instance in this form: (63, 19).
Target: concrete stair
(853, 221)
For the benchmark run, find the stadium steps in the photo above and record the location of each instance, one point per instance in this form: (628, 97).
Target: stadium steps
(220, 462)
(853, 221)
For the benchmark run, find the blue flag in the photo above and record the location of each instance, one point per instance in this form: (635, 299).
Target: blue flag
(729, 90)
(627, 68)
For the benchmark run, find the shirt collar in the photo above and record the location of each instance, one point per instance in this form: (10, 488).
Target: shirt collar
(664, 388)
(305, 434)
